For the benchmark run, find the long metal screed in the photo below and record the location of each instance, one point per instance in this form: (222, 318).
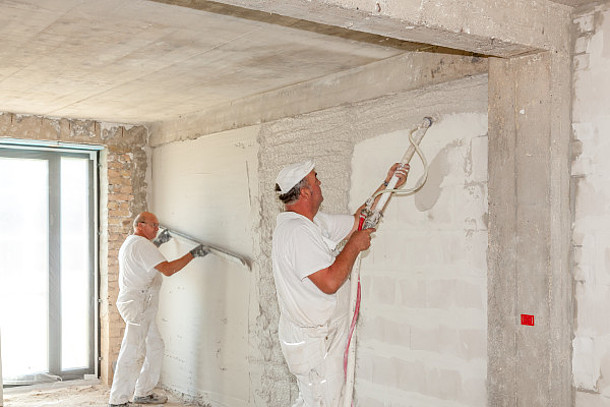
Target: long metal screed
(218, 251)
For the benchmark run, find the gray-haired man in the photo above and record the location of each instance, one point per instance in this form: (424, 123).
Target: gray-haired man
(309, 277)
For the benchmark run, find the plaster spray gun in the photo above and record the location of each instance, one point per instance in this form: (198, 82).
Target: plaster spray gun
(370, 216)
(371, 213)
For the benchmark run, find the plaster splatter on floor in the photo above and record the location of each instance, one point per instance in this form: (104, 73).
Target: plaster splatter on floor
(83, 395)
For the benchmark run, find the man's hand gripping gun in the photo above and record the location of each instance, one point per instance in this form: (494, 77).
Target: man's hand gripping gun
(373, 210)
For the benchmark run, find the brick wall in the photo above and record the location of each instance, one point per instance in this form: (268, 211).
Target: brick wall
(422, 333)
(590, 191)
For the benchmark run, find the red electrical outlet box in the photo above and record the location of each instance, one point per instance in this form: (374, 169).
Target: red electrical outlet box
(527, 319)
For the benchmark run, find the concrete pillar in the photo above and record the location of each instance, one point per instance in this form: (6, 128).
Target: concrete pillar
(529, 231)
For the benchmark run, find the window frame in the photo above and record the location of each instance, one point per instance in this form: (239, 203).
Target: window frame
(54, 155)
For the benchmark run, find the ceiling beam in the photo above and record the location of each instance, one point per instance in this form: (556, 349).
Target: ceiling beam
(502, 28)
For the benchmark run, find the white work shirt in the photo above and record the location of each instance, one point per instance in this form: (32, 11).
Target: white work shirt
(138, 257)
(301, 248)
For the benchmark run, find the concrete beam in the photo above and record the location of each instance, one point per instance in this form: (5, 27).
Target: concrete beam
(390, 76)
(503, 28)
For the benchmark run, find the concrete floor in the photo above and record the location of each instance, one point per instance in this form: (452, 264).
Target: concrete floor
(79, 393)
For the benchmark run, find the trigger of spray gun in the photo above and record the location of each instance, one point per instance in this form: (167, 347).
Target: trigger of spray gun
(369, 218)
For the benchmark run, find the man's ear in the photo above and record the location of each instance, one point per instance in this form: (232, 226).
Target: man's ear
(305, 193)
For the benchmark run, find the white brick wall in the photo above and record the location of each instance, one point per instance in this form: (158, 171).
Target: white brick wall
(591, 190)
(422, 336)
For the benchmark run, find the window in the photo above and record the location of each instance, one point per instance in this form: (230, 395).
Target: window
(48, 261)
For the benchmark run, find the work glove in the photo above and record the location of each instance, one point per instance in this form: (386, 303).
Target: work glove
(162, 238)
(200, 251)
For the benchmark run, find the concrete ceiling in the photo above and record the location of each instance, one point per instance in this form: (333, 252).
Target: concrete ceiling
(577, 3)
(141, 61)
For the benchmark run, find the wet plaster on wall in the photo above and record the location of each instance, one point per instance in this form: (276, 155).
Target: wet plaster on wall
(329, 136)
(590, 168)
(123, 167)
(422, 334)
(207, 188)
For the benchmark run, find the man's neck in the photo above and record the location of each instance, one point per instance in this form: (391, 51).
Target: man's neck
(302, 210)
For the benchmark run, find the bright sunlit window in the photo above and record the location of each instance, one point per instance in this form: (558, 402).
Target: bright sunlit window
(47, 266)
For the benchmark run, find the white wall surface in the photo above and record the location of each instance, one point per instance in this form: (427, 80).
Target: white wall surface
(400, 361)
(207, 188)
(422, 336)
(591, 238)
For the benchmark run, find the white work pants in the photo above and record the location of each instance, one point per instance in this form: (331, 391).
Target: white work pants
(315, 357)
(139, 364)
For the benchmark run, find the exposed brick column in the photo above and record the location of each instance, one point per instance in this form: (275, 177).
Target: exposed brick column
(125, 197)
(119, 218)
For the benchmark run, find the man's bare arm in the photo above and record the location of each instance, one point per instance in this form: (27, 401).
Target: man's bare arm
(330, 279)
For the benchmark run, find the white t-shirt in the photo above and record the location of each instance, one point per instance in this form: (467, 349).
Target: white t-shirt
(138, 257)
(301, 248)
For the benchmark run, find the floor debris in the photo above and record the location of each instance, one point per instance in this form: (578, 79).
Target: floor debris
(72, 394)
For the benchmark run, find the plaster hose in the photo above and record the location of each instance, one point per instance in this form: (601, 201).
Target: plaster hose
(406, 158)
(349, 357)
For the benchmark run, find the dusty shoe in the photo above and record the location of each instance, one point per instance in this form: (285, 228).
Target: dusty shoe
(151, 399)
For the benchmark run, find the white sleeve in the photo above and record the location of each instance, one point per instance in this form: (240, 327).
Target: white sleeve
(335, 227)
(150, 255)
(311, 254)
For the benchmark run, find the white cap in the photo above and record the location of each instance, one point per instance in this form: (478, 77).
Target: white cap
(290, 175)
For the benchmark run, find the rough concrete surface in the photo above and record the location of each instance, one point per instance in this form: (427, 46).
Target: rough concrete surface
(389, 76)
(482, 26)
(142, 61)
(529, 231)
(146, 61)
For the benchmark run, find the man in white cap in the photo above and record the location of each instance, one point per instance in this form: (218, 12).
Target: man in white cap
(309, 276)
(141, 267)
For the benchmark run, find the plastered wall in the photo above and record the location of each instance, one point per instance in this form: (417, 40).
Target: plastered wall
(207, 188)
(591, 192)
(219, 321)
(423, 328)
(353, 146)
